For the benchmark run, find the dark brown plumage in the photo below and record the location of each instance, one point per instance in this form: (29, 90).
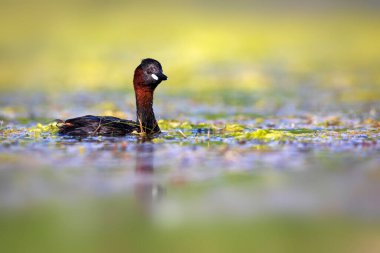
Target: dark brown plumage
(148, 75)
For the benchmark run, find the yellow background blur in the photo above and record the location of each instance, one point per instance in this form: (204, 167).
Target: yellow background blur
(95, 45)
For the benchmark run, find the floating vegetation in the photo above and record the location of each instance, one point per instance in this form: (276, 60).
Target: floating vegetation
(216, 132)
(173, 124)
(265, 135)
(37, 130)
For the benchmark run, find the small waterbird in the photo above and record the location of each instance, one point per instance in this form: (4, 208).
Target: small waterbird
(148, 75)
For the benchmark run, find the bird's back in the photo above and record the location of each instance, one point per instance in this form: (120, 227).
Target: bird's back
(90, 125)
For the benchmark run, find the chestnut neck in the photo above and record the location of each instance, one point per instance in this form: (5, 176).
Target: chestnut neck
(144, 104)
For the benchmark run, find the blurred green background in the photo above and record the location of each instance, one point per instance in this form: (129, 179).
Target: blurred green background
(214, 45)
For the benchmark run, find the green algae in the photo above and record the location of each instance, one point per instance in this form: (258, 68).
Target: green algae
(173, 124)
(38, 129)
(264, 135)
(233, 128)
(217, 132)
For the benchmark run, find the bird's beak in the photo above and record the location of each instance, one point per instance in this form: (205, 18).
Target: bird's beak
(163, 77)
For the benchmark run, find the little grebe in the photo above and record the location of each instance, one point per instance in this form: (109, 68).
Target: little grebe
(148, 75)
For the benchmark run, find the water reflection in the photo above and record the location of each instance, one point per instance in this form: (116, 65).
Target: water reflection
(147, 191)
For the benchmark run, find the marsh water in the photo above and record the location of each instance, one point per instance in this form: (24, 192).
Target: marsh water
(218, 172)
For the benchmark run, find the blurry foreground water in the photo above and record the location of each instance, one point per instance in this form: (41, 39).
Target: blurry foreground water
(221, 178)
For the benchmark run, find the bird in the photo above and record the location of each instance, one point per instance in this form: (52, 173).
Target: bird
(147, 76)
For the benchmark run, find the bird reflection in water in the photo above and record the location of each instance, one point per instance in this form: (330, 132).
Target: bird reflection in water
(147, 191)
